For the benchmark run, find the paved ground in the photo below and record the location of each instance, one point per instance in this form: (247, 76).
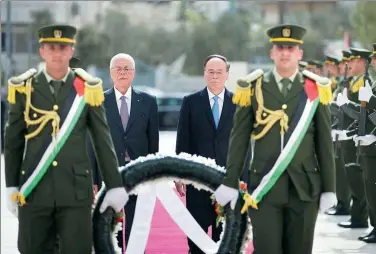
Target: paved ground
(330, 239)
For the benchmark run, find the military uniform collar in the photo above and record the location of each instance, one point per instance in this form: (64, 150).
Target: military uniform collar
(268, 75)
(278, 77)
(49, 78)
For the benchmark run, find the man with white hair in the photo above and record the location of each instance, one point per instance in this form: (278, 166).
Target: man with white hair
(132, 116)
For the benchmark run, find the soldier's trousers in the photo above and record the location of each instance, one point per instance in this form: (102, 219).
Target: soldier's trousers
(354, 172)
(369, 165)
(285, 226)
(342, 186)
(39, 226)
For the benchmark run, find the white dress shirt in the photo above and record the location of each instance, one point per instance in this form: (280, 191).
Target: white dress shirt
(278, 78)
(221, 96)
(128, 99)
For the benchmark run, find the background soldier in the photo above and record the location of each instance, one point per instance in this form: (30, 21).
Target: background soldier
(368, 153)
(60, 203)
(285, 219)
(315, 66)
(342, 187)
(302, 65)
(332, 70)
(354, 172)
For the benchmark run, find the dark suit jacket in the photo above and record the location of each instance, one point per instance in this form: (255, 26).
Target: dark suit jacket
(141, 136)
(196, 132)
(197, 135)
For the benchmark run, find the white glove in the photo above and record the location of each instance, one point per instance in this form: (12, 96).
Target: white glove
(115, 198)
(327, 200)
(225, 194)
(342, 98)
(340, 134)
(12, 205)
(365, 93)
(364, 140)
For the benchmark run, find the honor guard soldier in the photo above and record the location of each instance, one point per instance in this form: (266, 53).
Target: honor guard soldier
(331, 67)
(343, 72)
(47, 170)
(292, 176)
(315, 66)
(342, 186)
(348, 101)
(368, 152)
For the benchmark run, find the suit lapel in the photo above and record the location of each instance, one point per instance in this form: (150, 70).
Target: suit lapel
(206, 106)
(269, 84)
(62, 95)
(296, 87)
(113, 110)
(42, 87)
(136, 104)
(225, 109)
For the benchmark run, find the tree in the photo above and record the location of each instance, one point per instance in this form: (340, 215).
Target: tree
(92, 47)
(364, 22)
(117, 27)
(204, 42)
(233, 35)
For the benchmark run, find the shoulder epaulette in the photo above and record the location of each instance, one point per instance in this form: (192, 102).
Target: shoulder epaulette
(17, 84)
(244, 91)
(324, 86)
(93, 92)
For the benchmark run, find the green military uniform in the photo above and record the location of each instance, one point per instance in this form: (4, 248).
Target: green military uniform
(342, 187)
(60, 204)
(354, 171)
(73, 63)
(285, 218)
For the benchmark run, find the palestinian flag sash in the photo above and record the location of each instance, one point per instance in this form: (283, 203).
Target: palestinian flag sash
(73, 108)
(303, 117)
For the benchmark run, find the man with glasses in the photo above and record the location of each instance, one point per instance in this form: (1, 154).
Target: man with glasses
(132, 116)
(204, 129)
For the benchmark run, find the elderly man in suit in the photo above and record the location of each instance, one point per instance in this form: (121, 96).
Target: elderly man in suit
(132, 116)
(204, 129)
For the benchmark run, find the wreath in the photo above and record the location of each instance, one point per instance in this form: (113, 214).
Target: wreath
(219, 210)
(201, 172)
